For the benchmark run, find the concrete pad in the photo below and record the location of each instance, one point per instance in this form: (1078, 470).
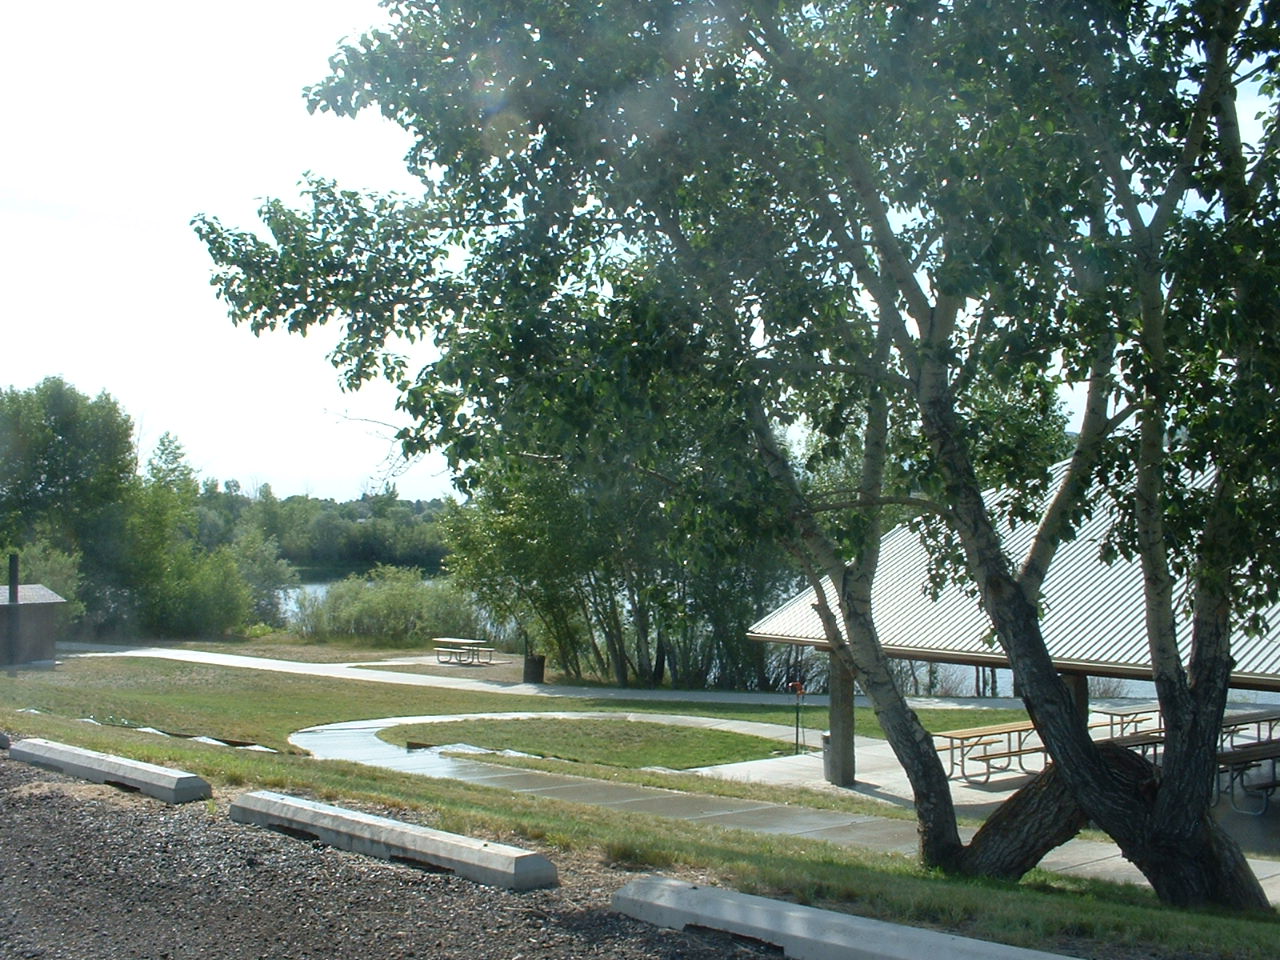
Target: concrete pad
(1265, 869)
(872, 833)
(688, 806)
(521, 781)
(163, 783)
(802, 932)
(1271, 887)
(1115, 869)
(586, 791)
(494, 864)
(782, 820)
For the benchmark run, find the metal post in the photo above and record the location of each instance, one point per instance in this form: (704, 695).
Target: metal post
(798, 689)
(11, 634)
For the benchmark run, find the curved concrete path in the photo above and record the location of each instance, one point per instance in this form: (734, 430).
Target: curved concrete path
(879, 774)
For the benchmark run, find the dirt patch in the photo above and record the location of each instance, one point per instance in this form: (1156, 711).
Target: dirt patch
(82, 792)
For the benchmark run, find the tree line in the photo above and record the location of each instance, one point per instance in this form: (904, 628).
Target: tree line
(150, 548)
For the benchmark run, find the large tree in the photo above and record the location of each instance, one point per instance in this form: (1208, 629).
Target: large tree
(903, 226)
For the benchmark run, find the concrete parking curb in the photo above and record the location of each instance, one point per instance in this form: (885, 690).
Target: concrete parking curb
(164, 783)
(494, 864)
(804, 933)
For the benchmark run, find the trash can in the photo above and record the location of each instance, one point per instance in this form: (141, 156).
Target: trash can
(535, 667)
(828, 759)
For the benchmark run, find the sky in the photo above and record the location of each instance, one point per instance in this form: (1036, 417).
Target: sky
(123, 121)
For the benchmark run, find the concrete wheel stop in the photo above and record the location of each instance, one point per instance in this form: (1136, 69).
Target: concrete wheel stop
(164, 783)
(493, 864)
(805, 933)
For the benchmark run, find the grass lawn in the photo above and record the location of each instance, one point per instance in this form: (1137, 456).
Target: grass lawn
(1075, 916)
(613, 743)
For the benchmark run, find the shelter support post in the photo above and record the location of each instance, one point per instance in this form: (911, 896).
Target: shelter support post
(839, 763)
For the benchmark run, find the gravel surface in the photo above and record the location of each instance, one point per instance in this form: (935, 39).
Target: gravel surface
(90, 872)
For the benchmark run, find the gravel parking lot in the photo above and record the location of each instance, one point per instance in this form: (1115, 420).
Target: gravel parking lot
(91, 872)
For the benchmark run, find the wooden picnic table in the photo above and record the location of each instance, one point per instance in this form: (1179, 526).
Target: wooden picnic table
(994, 747)
(1127, 718)
(1236, 762)
(1236, 722)
(1146, 742)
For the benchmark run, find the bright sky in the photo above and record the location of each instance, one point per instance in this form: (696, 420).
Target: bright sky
(123, 121)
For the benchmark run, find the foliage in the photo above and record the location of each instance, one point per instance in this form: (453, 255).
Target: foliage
(393, 606)
(67, 470)
(664, 231)
(41, 562)
(323, 536)
(63, 458)
(598, 570)
(182, 589)
(267, 575)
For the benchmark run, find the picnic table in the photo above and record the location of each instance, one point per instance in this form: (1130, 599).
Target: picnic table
(1236, 722)
(461, 650)
(1146, 742)
(994, 747)
(1235, 764)
(1127, 718)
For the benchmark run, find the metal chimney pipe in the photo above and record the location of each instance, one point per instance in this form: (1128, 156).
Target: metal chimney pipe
(13, 578)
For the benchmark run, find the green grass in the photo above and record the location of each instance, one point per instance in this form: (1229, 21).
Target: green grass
(190, 698)
(1052, 912)
(613, 743)
(1049, 912)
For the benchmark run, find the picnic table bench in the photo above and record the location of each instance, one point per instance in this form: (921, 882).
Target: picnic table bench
(995, 747)
(1146, 742)
(1236, 723)
(457, 650)
(1236, 762)
(1127, 718)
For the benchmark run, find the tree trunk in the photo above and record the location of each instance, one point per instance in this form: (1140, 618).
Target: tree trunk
(1041, 816)
(1191, 867)
(1164, 829)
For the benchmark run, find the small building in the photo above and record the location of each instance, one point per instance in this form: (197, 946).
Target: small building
(28, 621)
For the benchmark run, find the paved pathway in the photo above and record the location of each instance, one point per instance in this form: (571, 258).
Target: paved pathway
(879, 774)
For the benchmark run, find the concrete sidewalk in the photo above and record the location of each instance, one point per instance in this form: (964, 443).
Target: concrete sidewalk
(878, 773)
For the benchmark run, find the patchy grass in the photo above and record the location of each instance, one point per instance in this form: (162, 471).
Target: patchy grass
(1048, 912)
(193, 699)
(613, 743)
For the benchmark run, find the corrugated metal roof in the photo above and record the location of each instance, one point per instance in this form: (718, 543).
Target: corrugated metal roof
(30, 593)
(1093, 613)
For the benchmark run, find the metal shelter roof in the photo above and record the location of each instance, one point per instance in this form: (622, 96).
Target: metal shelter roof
(1093, 613)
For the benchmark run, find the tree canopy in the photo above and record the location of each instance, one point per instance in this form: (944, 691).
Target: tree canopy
(683, 228)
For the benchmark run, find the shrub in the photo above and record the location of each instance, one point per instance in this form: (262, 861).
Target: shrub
(394, 606)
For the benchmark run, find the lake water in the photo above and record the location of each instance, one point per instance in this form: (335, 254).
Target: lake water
(290, 598)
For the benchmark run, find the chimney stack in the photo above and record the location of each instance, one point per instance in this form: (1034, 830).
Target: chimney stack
(13, 578)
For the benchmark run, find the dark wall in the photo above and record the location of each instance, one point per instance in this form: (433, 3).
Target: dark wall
(37, 623)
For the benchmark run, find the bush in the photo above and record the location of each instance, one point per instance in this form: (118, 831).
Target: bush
(393, 606)
(41, 562)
